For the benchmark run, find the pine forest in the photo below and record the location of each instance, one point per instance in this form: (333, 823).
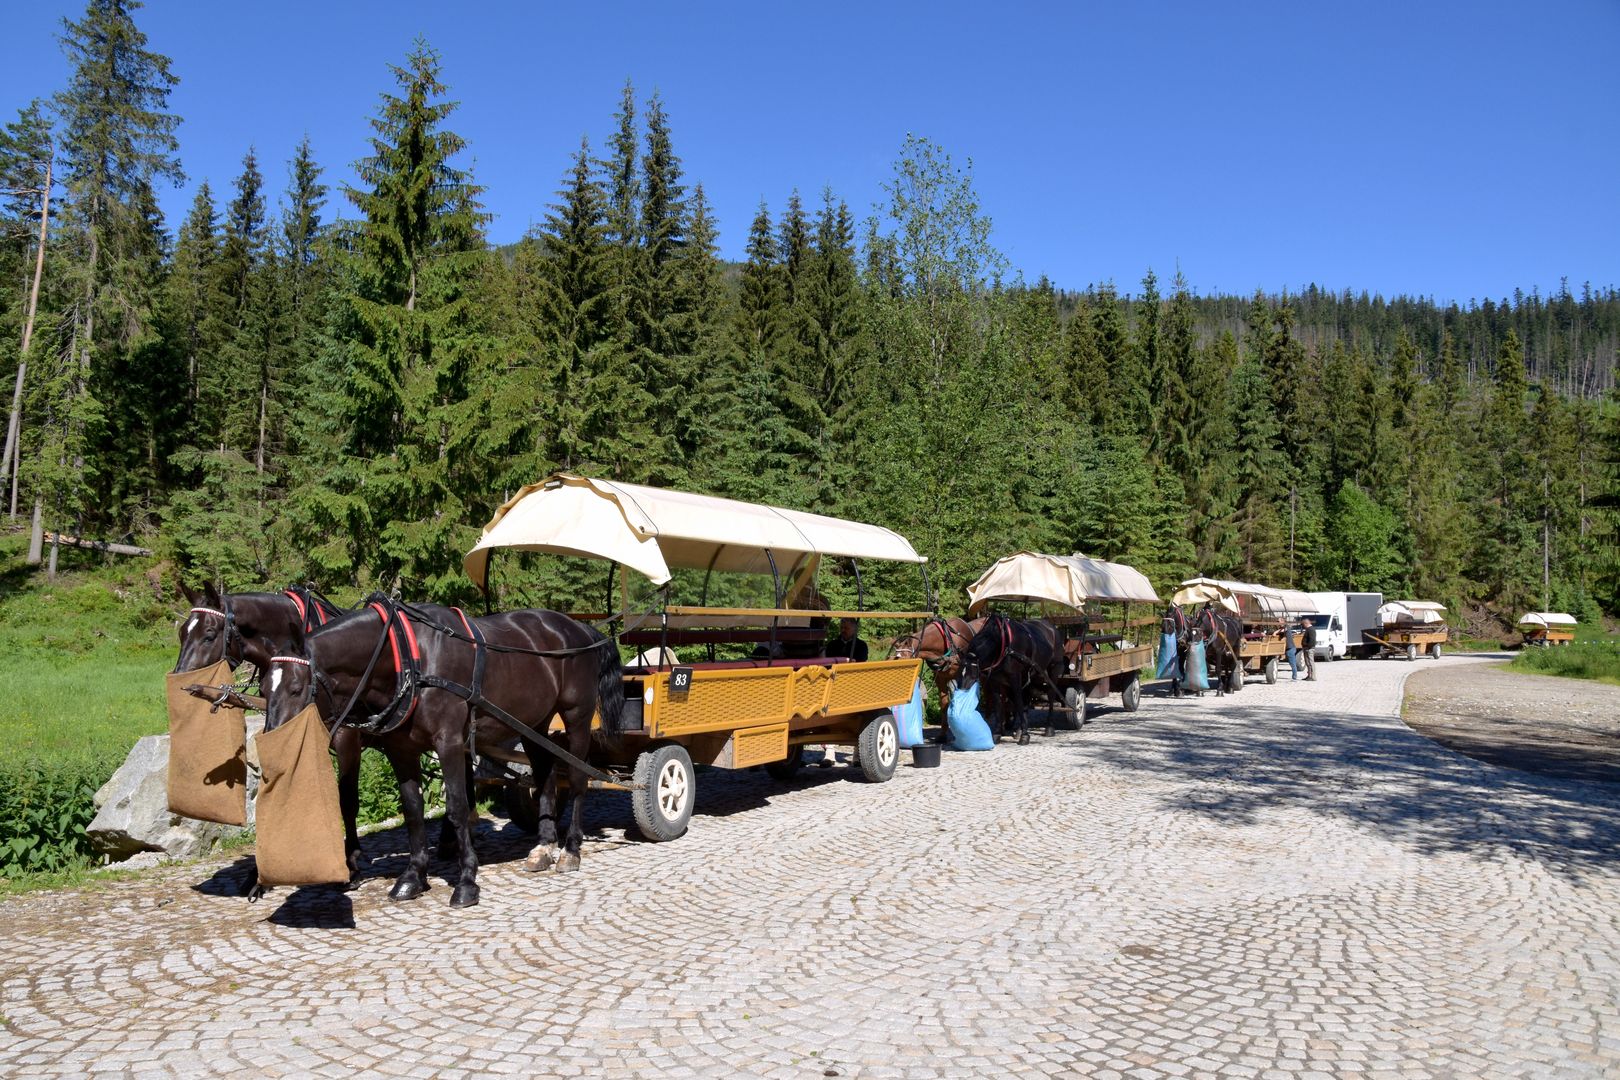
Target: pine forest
(310, 381)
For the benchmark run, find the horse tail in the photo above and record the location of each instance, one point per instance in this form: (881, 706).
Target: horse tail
(610, 687)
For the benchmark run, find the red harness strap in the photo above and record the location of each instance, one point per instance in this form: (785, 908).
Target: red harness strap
(415, 651)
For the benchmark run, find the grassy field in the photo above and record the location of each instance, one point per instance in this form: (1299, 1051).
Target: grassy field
(1597, 660)
(82, 658)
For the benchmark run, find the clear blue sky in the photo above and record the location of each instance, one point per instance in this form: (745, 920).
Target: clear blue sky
(1456, 150)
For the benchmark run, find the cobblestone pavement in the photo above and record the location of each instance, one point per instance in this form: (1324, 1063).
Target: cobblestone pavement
(1284, 883)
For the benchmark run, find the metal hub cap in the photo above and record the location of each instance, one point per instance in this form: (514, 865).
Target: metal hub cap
(888, 744)
(672, 789)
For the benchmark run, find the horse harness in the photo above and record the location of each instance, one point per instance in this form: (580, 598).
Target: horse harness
(400, 637)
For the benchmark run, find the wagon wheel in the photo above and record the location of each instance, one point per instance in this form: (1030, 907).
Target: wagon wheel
(1131, 696)
(1234, 681)
(1411, 652)
(666, 789)
(1075, 702)
(522, 807)
(1271, 669)
(878, 748)
(788, 767)
(1434, 651)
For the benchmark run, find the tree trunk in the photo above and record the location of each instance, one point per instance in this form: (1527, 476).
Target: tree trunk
(14, 426)
(36, 535)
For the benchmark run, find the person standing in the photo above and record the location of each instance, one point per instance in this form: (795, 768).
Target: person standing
(1307, 641)
(1291, 650)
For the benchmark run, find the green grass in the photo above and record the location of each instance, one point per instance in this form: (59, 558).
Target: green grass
(1597, 660)
(82, 658)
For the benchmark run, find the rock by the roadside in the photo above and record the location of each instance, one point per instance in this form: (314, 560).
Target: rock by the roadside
(132, 810)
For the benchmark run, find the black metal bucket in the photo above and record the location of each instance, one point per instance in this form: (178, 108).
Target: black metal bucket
(925, 756)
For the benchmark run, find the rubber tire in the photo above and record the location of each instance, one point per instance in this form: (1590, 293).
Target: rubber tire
(662, 765)
(1434, 650)
(522, 807)
(1411, 652)
(788, 767)
(1131, 696)
(1234, 682)
(878, 748)
(1271, 669)
(1077, 704)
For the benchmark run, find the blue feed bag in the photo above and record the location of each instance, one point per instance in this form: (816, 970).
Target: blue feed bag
(909, 718)
(1197, 670)
(1168, 668)
(968, 729)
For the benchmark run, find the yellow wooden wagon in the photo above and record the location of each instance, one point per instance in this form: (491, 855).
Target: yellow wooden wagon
(1077, 594)
(1410, 627)
(1547, 628)
(724, 685)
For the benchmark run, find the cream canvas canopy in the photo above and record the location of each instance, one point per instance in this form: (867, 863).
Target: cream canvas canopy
(1546, 619)
(1230, 594)
(1411, 611)
(653, 530)
(1298, 603)
(1064, 580)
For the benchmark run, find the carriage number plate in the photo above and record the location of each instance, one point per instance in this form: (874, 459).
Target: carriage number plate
(680, 680)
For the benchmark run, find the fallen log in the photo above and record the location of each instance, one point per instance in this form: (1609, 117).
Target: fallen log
(95, 545)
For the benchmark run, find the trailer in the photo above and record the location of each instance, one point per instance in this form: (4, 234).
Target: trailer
(1407, 628)
(1089, 601)
(732, 685)
(1543, 629)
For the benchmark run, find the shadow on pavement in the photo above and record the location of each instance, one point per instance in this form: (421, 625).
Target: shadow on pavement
(1243, 760)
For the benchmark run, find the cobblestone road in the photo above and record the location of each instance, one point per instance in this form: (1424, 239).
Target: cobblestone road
(1283, 883)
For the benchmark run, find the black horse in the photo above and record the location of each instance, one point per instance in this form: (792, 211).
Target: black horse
(419, 678)
(1015, 659)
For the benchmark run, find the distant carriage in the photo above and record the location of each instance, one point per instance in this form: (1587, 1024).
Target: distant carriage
(1408, 627)
(1089, 600)
(1547, 628)
(1263, 611)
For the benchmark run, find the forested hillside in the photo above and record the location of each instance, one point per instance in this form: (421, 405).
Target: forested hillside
(340, 385)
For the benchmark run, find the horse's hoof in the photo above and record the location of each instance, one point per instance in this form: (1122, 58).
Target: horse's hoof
(540, 859)
(567, 863)
(465, 896)
(406, 890)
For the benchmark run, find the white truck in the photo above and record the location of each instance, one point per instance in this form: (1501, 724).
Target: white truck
(1343, 616)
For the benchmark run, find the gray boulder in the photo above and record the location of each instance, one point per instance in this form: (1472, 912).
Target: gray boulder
(132, 809)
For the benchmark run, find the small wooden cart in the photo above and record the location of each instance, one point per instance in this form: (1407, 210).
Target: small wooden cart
(1078, 595)
(1544, 629)
(1409, 627)
(725, 686)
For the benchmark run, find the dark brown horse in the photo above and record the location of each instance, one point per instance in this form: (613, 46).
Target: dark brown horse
(1222, 635)
(419, 678)
(1016, 659)
(939, 644)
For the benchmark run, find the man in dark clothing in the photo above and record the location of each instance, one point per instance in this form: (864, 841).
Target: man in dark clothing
(848, 642)
(1308, 643)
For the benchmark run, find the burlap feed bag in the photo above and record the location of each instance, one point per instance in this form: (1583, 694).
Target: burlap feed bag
(207, 750)
(300, 828)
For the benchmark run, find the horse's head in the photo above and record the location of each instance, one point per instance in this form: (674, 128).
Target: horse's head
(290, 681)
(207, 633)
(905, 647)
(986, 649)
(240, 628)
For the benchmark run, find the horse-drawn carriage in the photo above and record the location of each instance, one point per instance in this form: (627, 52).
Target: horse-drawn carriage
(1262, 611)
(1073, 592)
(533, 687)
(1547, 628)
(1408, 628)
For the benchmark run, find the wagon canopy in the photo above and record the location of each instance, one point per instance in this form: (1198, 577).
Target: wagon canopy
(654, 530)
(1546, 618)
(1420, 612)
(1064, 580)
(1299, 603)
(1239, 597)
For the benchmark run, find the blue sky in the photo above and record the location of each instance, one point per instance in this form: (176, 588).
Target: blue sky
(1454, 150)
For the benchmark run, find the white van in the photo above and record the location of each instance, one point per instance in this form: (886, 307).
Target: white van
(1331, 643)
(1345, 616)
